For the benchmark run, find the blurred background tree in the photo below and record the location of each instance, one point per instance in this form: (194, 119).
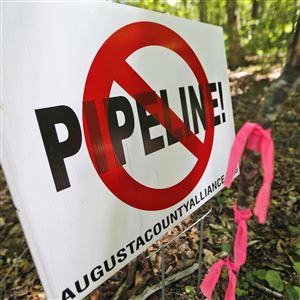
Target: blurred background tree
(255, 30)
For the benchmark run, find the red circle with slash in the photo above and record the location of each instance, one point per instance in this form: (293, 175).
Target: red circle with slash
(110, 65)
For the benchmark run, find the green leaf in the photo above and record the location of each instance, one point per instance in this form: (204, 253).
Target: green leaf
(295, 230)
(241, 292)
(291, 293)
(274, 280)
(260, 274)
(296, 265)
(189, 289)
(227, 193)
(297, 289)
(226, 247)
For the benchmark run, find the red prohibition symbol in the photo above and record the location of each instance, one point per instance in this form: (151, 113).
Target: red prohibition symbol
(110, 65)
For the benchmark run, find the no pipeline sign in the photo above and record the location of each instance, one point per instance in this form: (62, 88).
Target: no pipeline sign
(117, 125)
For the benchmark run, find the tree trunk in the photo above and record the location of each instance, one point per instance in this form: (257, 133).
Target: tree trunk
(281, 88)
(203, 11)
(255, 8)
(236, 56)
(275, 100)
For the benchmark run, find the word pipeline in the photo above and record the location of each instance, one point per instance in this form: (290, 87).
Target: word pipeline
(194, 112)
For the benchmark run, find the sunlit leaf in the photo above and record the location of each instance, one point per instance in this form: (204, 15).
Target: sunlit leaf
(274, 280)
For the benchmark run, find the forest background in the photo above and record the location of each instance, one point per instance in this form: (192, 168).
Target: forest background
(257, 36)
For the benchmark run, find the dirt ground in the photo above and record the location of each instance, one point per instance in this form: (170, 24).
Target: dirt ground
(273, 247)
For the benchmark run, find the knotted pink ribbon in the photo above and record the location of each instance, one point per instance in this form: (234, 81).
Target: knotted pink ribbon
(240, 252)
(240, 241)
(209, 283)
(259, 140)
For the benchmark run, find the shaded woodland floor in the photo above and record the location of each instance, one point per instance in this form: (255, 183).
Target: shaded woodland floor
(273, 246)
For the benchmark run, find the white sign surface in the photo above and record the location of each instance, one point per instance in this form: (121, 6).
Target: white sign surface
(117, 124)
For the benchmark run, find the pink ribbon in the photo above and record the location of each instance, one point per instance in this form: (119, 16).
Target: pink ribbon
(210, 281)
(240, 252)
(240, 241)
(259, 140)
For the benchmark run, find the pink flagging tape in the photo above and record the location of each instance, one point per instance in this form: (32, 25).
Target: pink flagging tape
(209, 283)
(259, 140)
(240, 241)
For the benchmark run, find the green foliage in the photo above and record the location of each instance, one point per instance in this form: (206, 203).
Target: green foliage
(292, 293)
(241, 292)
(294, 230)
(190, 292)
(272, 277)
(296, 265)
(268, 33)
(265, 34)
(226, 247)
(274, 280)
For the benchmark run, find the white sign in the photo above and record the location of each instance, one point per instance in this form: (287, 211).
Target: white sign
(117, 125)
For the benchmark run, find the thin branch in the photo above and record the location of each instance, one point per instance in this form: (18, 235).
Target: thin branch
(266, 290)
(154, 288)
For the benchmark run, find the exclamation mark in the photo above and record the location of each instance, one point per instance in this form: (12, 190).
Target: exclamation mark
(221, 99)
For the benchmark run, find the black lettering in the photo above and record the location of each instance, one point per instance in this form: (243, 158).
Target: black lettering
(95, 136)
(180, 210)
(148, 121)
(149, 237)
(186, 206)
(67, 294)
(213, 88)
(58, 151)
(166, 224)
(209, 190)
(130, 245)
(97, 273)
(192, 203)
(122, 255)
(120, 132)
(139, 243)
(221, 94)
(86, 283)
(223, 177)
(214, 185)
(113, 264)
(202, 198)
(184, 110)
(158, 231)
(221, 100)
(197, 109)
(174, 216)
(172, 134)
